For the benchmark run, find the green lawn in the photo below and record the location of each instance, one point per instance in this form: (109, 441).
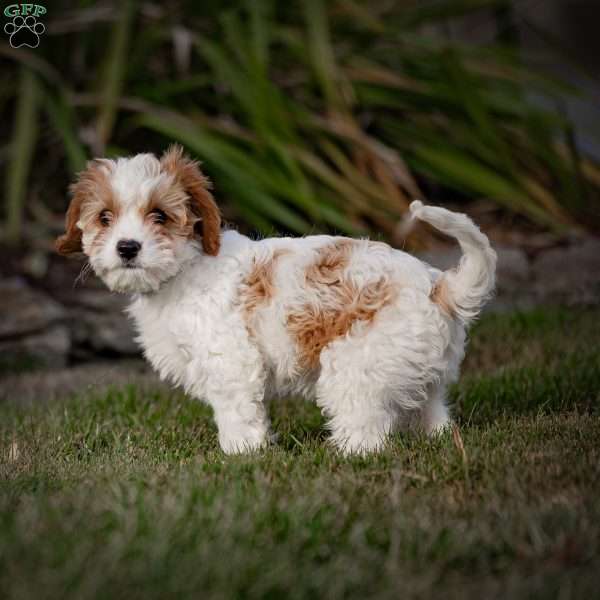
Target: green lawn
(125, 495)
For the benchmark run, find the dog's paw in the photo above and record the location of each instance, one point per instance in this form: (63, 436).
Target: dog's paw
(359, 443)
(436, 422)
(243, 439)
(438, 429)
(435, 417)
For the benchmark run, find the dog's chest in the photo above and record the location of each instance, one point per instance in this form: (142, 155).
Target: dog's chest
(177, 338)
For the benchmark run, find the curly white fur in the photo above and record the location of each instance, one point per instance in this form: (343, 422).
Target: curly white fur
(388, 331)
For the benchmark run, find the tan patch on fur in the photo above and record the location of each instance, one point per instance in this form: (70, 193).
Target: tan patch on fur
(440, 295)
(341, 303)
(330, 263)
(258, 288)
(173, 201)
(187, 174)
(91, 194)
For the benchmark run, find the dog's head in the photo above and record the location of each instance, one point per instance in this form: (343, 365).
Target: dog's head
(137, 218)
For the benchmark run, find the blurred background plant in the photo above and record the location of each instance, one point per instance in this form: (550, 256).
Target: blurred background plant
(309, 116)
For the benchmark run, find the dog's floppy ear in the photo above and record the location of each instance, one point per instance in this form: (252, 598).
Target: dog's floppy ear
(89, 183)
(202, 204)
(70, 241)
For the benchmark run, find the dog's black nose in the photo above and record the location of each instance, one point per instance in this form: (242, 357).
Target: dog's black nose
(128, 249)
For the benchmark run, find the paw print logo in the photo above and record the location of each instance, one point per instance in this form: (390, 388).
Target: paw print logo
(24, 31)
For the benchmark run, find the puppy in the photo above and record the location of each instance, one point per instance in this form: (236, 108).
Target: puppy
(371, 333)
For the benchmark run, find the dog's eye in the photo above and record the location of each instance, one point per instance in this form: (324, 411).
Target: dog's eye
(105, 218)
(158, 216)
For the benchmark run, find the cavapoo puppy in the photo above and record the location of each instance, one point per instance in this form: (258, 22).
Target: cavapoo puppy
(373, 334)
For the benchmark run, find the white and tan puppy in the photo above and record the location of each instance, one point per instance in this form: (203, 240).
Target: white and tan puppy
(371, 333)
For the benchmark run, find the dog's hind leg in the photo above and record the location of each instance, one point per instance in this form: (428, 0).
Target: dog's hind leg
(362, 431)
(360, 413)
(435, 417)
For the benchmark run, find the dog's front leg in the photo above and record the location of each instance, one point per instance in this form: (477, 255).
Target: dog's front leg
(226, 370)
(242, 422)
(235, 390)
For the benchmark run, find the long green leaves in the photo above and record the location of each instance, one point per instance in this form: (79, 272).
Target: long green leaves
(60, 115)
(22, 150)
(324, 116)
(115, 67)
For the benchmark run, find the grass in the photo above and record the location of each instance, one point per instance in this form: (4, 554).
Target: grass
(125, 495)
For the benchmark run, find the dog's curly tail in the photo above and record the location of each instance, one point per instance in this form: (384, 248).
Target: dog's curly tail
(463, 290)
